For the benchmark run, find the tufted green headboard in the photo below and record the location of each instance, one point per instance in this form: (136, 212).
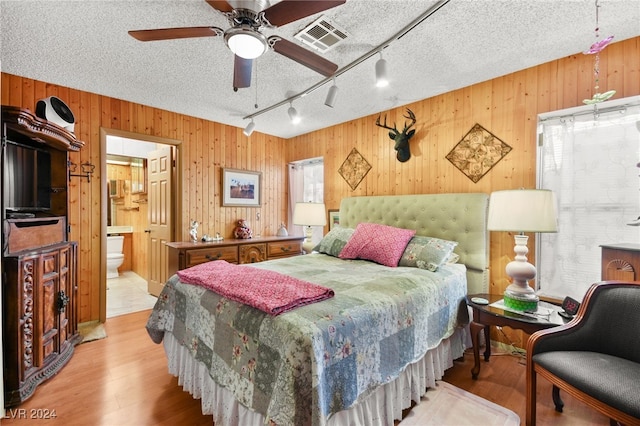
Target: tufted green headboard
(454, 217)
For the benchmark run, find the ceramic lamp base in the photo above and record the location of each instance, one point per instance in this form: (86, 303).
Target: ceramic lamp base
(521, 302)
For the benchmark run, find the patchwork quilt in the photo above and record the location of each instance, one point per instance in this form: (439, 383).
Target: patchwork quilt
(302, 366)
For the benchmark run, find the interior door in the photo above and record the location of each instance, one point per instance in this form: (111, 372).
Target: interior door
(160, 216)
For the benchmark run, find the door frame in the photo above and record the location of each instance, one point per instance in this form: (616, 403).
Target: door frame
(177, 201)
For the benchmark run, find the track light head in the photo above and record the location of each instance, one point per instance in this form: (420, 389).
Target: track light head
(381, 73)
(293, 115)
(331, 95)
(249, 129)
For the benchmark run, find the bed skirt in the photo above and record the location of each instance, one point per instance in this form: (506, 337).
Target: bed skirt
(382, 407)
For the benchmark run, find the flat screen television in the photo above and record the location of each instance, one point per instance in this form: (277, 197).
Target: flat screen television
(26, 178)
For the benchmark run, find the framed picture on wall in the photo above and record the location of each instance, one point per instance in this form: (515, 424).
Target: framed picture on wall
(241, 188)
(334, 219)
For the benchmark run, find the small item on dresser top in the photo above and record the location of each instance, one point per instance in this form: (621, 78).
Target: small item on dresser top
(480, 300)
(208, 239)
(242, 230)
(193, 231)
(282, 231)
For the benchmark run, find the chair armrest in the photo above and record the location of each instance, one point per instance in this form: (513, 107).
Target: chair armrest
(608, 305)
(565, 337)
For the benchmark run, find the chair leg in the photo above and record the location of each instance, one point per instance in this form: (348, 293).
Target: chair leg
(555, 393)
(531, 397)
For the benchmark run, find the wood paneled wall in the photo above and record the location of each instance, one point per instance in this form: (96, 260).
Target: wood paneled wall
(507, 106)
(206, 148)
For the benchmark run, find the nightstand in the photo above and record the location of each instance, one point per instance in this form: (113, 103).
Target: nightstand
(487, 315)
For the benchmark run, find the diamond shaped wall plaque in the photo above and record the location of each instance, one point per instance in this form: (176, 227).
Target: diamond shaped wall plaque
(354, 168)
(477, 152)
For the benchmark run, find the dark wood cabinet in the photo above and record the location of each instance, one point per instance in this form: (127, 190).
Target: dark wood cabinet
(183, 255)
(621, 262)
(40, 324)
(39, 264)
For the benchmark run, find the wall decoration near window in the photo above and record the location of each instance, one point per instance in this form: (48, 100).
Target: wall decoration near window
(334, 219)
(240, 188)
(354, 168)
(477, 152)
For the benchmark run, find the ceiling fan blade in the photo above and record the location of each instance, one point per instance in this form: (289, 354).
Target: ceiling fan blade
(242, 72)
(291, 10)
(173, 33)
(303, 56)
(220, 5)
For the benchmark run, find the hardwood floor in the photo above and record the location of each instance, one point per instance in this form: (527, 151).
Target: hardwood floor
(123, 380)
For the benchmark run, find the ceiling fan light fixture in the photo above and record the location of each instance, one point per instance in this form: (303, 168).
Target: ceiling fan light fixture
(293, 115)
(246, 42)
(249, 129)
(381, 72)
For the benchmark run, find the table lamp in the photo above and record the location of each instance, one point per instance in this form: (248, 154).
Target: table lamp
(522, 210)
(309, 214)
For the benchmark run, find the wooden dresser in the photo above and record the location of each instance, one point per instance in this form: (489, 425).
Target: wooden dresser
(621, 262)
(182, 255)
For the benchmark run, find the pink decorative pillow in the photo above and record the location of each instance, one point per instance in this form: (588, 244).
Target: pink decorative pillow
(380, 243)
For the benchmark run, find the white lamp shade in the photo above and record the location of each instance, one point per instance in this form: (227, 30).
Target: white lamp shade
(310, 214)
(523, 210)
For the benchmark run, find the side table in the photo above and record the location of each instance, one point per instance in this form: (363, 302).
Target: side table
(485, 316)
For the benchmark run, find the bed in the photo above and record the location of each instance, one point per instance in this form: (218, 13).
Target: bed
(359, 357)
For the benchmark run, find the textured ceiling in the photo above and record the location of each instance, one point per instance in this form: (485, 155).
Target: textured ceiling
(85, 45)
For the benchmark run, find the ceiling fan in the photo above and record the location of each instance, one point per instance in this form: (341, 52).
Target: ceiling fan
(245, 38)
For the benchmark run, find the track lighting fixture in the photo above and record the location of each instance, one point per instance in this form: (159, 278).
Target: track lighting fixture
(249, 129)
(331, 95)
(381, 72)
(382, 79)
(293, 114)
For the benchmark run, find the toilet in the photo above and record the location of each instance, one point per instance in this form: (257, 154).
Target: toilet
(114, 255)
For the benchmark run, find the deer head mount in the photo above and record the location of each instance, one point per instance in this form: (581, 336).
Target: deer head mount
(403, 152)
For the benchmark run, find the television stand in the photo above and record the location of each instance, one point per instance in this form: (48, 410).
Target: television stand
(39, 263)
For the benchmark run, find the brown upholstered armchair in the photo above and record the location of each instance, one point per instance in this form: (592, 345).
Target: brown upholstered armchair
(595, 357)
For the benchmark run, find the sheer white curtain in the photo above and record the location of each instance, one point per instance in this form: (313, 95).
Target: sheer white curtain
(306, 184)
(590, 160)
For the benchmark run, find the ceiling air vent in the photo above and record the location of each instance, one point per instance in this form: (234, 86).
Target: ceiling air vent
(322, 35)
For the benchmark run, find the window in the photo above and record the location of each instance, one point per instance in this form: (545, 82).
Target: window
(306, 184)
(589, 157)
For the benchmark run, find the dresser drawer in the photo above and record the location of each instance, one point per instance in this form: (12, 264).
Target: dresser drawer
(29, 234)
(284, 248)
(252, 253)
(197, 256)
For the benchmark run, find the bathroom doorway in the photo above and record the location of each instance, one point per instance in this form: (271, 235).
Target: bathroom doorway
(125, 219)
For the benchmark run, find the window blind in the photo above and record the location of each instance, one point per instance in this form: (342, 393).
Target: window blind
(589, 158)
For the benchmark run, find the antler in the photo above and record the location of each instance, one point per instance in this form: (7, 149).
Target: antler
(411, 116)
(385, 124)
